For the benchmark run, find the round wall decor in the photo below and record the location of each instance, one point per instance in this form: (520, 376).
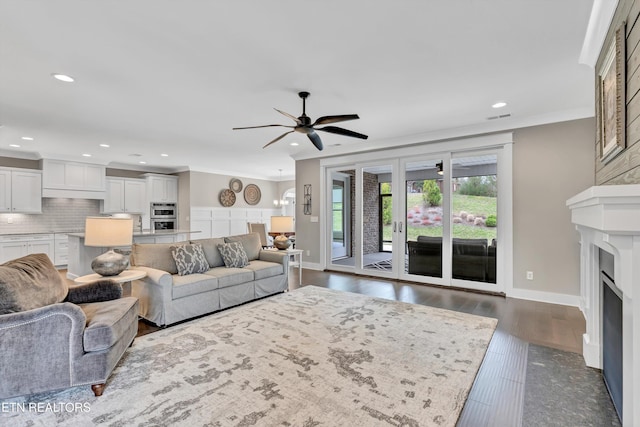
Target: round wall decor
(227, 198)
(252, 194)
(236, 185)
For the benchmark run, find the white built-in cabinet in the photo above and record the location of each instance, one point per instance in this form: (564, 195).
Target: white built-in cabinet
(162, 188)
(20, 190)
(16, 246)
(61, 249)
(61, 179)
(125, 195)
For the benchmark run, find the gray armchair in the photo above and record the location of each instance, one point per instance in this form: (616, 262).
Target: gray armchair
(53, 336)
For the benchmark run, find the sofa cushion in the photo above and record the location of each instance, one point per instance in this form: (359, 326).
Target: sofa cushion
(30, 282)
(250, 242)
(264, 269)
(155, 255)
(233, 255)
(108, 321)
(189, 259)
(193, 284)
(211, 252)
(231, 276)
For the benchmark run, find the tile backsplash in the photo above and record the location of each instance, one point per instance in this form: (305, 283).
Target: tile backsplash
(57, 215)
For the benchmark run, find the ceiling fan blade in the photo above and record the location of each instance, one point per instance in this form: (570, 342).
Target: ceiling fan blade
(278, 138)
(264, 126)
(295, 119)
(315, 138)
(341, 131)
(325, 120)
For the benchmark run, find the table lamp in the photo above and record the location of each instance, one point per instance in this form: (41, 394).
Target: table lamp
(108, 232)
(282, 225)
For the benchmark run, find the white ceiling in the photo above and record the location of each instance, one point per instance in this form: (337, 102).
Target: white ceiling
(166, 76)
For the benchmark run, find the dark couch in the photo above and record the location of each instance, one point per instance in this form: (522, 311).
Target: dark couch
(472, 259)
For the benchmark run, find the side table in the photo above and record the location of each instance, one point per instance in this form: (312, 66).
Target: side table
(125, 278)
(296, 253)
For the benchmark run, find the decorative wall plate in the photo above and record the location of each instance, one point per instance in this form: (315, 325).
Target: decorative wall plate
(236, 185)
(252, 194)
(227, 198)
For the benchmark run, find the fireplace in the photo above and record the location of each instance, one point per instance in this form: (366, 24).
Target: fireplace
(611, 331)
(608, 219)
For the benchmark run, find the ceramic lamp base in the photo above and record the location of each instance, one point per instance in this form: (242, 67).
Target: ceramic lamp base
(110, 263)
(281, 242)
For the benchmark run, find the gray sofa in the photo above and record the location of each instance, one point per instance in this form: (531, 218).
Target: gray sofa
(167, 297)
(53, 336)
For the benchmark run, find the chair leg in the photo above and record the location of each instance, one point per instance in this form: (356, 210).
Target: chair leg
(97, 389)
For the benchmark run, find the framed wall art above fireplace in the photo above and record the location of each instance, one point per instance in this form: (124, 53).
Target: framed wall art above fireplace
(611, 108)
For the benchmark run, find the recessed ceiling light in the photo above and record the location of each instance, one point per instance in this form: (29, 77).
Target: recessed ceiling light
(86, 155)
(63, 78)
(164, 155)
(499, 104)
(27, 138)
(142, 162)
(105, 145)
(14, 145)
(295, 144)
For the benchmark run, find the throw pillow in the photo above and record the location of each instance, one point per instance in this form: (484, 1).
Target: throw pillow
(233, 255)
(30, 282)
(189, 259)
(250, 243)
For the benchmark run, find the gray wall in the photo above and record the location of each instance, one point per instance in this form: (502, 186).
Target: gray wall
(551, 163)
(205, 189)
(307, 232)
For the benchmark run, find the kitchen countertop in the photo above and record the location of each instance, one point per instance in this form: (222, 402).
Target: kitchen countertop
(147, 233)
(28, 233)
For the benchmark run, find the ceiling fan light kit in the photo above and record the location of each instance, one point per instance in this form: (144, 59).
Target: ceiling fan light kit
(304, 125)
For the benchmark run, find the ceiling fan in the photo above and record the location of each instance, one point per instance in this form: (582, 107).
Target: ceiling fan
(304, 125)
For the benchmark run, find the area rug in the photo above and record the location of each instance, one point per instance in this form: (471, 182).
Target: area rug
(310, 357)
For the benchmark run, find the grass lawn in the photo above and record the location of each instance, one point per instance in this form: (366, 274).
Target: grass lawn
(476, 205)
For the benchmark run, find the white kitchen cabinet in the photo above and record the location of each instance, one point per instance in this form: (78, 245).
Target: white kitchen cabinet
(61, 249)
(20, 191)
(16, 246)
(66, 179)
(5, 191)
(125, 195)
(162, 188)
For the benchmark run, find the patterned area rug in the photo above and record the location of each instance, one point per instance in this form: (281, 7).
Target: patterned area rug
(310, 357)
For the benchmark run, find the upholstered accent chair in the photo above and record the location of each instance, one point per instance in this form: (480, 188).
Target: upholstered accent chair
(54, 336)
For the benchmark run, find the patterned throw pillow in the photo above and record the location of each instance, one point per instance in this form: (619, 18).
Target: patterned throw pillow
(233, 255)
(189, 259)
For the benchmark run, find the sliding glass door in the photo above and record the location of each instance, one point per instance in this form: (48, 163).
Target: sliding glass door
(432, 219)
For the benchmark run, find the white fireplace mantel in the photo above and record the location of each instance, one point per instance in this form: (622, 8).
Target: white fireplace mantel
(608, 217)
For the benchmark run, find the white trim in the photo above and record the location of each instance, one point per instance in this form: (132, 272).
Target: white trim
(548, 297)
(599, 22)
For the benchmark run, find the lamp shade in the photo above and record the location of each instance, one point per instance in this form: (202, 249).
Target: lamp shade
(104, 231)
(282, 224)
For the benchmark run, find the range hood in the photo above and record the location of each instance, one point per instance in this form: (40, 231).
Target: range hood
(73, 180)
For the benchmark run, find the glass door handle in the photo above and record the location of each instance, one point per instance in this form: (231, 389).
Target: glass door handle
(400, 224)
(394, 226)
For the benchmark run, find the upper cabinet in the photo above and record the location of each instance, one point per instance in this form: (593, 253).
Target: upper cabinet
(162, 188)
(125, 195)
(20, 191)
(67, 179)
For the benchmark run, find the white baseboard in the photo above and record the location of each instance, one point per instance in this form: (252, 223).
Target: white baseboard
(591, 352)
(549, 297)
